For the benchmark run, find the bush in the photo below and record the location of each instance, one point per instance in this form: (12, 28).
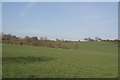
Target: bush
(50, 45)
(64, 47)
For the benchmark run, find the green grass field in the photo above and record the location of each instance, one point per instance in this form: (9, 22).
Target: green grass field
(91, 60)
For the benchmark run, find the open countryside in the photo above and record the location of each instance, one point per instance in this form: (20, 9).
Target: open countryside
(86, 60)
(60, 40)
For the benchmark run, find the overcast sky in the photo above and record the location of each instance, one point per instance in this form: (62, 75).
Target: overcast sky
(63, 20)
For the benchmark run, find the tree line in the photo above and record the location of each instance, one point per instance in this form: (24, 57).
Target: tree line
(45, 42)
(99, 39)
(34, 41)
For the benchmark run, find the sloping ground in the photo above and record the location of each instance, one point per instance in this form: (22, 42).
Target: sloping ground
(91, 60)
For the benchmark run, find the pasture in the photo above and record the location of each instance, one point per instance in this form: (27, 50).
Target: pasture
(90, 60)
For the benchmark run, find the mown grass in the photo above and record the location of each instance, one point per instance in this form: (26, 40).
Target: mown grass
(90, 60)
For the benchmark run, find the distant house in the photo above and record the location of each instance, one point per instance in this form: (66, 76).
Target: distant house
(83, 40)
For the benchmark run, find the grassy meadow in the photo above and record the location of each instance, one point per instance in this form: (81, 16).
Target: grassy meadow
(90, 60)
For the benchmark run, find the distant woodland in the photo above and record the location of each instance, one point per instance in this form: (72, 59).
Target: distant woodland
(45, 42)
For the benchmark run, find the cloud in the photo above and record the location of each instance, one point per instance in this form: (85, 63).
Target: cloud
(24, 11)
